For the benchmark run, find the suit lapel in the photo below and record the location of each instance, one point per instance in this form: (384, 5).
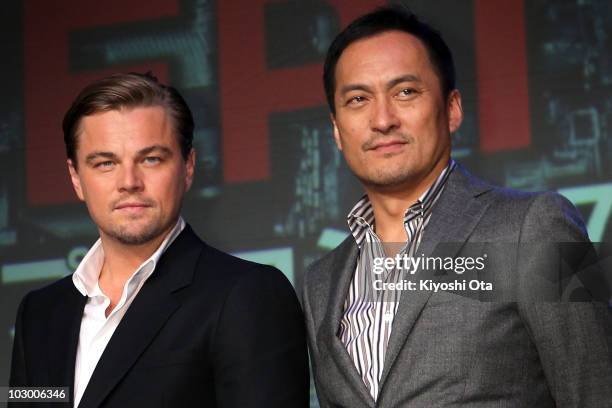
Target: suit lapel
(64, 338)
(342, 271)
(147, 314)
(453, 219)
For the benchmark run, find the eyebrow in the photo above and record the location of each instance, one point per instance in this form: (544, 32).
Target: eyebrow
(395, 81)
(96, 155)
(404, 78)
(163, 150)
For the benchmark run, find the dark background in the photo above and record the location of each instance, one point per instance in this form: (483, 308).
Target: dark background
(536, 80)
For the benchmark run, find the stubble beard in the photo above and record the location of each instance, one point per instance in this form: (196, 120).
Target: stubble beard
(393, 175)
(138, 236)
(385, 178)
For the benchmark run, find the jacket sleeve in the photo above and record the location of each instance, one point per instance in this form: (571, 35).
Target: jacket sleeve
(18, 376)
(260, 356)
(573, 339)
(312, 344)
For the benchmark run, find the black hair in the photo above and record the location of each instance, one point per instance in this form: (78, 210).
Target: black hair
(391, 18)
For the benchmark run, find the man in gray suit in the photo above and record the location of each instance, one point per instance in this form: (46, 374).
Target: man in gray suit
(390, 86)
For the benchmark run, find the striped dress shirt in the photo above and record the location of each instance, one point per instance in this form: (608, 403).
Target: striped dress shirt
(368, 314)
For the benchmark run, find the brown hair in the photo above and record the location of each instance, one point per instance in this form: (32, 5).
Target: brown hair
(128, 91)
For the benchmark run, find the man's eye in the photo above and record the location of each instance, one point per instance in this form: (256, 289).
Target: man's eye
(407, 92)
(104, 165)
(355, 100)
(152, 160)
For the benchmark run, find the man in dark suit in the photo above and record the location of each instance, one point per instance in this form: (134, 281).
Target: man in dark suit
(390, 85)
(153, 316)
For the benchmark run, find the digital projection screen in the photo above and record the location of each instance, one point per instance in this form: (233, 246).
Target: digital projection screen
(270, 186)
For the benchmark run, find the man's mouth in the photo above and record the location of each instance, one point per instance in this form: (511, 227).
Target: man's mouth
(132, 206)
(388, 146)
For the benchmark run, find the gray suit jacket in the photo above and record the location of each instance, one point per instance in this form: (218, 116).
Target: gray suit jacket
(449, 350)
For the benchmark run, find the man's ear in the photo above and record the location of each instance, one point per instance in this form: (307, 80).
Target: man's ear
(190, 167)
(455, 111)
(75, 179)
(336, 132)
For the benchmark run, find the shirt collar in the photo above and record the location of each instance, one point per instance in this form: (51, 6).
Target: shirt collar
(85, 277)
(361, 216)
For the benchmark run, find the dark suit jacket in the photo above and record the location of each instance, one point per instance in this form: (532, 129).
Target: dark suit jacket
(448, 350)
(206, 329)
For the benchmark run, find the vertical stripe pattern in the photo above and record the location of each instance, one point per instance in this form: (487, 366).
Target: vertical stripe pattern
(368, 315)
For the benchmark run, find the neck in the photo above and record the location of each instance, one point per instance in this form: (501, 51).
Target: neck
(390, 203)
(121, 260)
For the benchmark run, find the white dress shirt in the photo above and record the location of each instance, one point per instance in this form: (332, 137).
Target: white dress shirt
(96, 328)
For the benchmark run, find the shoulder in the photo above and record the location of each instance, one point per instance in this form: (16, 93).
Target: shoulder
(54, 292)
(230, 272)
(494, 194)
(530, 213)
(545, 212)
(244, 293)
(529, 201)
(517, 205)
(509, 196)
(211, 270)
(41, 302)
(321, 273)
(550, 214)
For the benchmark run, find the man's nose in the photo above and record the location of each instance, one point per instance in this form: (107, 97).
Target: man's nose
(384, 117)
(130, 179)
